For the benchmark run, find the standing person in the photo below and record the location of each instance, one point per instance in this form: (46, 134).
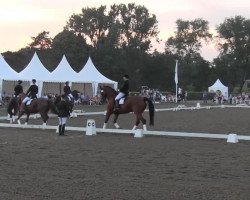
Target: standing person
(30, 94)
(67, 91)
(123, 92)
(63, 114)
(204, 95)
(18, 88)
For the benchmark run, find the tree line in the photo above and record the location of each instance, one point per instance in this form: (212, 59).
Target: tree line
(119, 40)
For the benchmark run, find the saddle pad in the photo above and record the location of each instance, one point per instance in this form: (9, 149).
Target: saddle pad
(29, 102)
(121, 101)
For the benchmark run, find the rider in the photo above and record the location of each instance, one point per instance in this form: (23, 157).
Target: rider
(67, 91)
(30, 94)
(18, 89)
(63, 114)
(123, 92)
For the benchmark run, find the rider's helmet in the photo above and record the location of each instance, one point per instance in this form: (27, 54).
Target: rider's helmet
(19, 81)
(33, 80)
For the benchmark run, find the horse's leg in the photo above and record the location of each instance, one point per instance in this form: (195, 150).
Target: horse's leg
(115, 121)
(106, 119)
(140, 117)
(27, 118)
(45, 118)
(136, 122)
(19, 116)
(14, 114)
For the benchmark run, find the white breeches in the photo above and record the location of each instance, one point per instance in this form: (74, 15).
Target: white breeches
(62, 120)
(26, 99)
(119, 96)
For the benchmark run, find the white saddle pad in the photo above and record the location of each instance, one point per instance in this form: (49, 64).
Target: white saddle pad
(121, 101)
(29, 102)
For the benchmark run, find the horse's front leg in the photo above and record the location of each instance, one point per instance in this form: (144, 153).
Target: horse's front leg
(106, 119)
(115, 121)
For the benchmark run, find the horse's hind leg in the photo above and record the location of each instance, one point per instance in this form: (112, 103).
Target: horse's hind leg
(27, 118)
(140, 117)
(45, 118)
(136, 122)
(19, 116)
(115, 121)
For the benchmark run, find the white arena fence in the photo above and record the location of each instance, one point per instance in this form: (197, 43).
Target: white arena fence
(90, 129)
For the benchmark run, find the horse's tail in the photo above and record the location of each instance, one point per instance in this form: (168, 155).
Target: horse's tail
(151, 110)
(52, 106)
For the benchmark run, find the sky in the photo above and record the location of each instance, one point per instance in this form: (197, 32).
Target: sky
(22, 19)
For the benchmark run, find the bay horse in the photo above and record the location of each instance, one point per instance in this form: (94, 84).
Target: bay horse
(135, 104)
(39, 105)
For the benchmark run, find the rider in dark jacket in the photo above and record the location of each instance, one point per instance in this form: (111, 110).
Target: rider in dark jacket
(67, 91)
(123, 92)
(30, 94)
(63, 113)
(18, 88)
(33, 90)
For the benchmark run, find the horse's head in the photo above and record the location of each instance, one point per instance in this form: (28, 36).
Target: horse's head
(21, 96)
(107, 93)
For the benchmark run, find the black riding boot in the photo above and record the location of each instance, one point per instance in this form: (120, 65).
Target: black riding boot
(117, 107)
(63, 129)
(60, 129)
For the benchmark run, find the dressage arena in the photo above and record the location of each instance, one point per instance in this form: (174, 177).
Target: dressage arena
(38, 164)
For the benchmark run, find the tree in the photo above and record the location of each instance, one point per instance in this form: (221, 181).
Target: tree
(234, 41)
(123, 26)
(71, 45)
(188, 38)
(185, 46)
(92, 24)
(137, 27)
(41, 41)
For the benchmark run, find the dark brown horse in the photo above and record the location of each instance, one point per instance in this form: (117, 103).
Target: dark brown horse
(135, 104)
(39, 105)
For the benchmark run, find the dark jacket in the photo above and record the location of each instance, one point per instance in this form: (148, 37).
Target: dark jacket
(18, 89)
(125, 87)
(32, 91)
(67, 90)
(63, 109)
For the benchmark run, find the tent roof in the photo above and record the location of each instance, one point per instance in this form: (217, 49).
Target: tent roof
(6, 72)
(218, 84)
(34, 70)
(89, 73)
(63, 72)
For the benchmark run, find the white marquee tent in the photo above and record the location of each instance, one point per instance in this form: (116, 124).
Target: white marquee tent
(89, 74)
(35, 70)
(6, 73)
(53, 80)
(219, 86)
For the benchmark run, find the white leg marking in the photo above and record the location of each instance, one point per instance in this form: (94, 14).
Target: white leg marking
(116, 125)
